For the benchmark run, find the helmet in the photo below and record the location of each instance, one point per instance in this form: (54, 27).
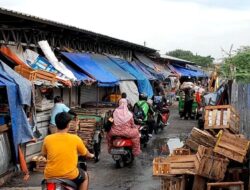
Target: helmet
(143, 97)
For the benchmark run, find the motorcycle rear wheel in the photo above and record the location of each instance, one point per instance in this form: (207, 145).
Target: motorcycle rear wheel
(120, 163)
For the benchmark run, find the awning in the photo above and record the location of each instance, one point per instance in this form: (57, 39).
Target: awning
(80, 76)
(184, 72)
(150, 66)
(201, 72)
(140, 67)
(104, 62)
(163, 69)
(144, 85)
(84, 62)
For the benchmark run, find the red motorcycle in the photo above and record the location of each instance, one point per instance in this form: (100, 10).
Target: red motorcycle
(121, 151)
(162, 118)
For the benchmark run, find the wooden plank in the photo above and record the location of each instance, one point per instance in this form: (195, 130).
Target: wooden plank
(239, 184)
(229, 154)
(217, 107)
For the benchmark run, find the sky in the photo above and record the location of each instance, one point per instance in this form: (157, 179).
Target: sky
(204, 27)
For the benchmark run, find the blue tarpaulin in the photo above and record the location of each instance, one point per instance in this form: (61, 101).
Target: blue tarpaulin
(18, 90)
(201, 72)
(184, 72)
(104, 62)
(144, 85)
(138, 66)
(150, 66)
(84, 62)
(80, 76)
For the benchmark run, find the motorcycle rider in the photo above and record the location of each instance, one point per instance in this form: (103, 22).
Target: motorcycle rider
(143, 111)
(123, 126)
(61, 150)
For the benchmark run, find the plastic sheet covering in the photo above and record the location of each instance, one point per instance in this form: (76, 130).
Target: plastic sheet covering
(104, 62)
(18, 50)
(21, 129)
(144, 85)
(84, 63)
(24, 85)
(184, 72)
(150, 66)
(37, 62)
(11, 55)
(5, 152)
(140, 67)
(201, 72)
(49, 54)
(131, 90)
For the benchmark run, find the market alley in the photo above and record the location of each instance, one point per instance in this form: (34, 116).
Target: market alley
(105, 176)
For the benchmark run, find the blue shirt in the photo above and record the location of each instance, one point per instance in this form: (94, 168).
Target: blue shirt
(58, 108)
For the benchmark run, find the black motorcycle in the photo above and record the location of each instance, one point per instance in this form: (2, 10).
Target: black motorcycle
(64, 184)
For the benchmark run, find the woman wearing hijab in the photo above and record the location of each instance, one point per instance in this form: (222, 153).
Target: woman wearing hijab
(123, 126)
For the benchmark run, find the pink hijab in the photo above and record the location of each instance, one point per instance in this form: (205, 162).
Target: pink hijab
(121, 114)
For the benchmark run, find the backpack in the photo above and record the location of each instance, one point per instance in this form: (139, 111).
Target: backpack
(138, 112)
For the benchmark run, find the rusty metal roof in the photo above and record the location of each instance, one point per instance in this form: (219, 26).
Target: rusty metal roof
(19, 20)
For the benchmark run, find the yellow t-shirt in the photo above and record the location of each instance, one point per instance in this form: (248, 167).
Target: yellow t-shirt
(62, 151)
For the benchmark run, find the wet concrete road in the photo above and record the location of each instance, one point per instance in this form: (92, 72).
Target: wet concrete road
(105, 176)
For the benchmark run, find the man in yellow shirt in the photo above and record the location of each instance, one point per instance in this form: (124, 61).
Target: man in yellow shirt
(62, 150)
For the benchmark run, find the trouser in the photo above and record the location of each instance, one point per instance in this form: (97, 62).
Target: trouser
(151, 126)
(187, 109)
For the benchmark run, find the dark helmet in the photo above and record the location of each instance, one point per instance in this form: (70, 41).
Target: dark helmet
(143, 97)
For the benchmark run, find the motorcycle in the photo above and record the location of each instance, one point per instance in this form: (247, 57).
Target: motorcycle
(63, 184)
(121, 151)
(162, 118)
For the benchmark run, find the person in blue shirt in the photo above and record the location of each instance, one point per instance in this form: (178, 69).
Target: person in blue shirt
(59, 107)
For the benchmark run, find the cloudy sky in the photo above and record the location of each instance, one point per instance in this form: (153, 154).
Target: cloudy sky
(202, 26)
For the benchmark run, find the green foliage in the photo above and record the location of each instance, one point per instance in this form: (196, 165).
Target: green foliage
(189, 56)
(237, 66)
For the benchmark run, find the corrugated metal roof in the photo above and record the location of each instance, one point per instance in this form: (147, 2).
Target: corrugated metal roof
(76, 29)
(175, 58)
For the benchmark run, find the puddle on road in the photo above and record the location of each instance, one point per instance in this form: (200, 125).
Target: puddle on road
(164, 146)
(174, 143)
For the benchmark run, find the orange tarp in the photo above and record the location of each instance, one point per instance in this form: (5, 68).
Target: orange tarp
(8, 53)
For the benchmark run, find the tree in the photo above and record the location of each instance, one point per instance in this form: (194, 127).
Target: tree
(189, 56)
(237, 66)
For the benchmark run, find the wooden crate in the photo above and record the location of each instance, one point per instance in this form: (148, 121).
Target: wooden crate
(182, 164)
(239, 185)
(32, 75)
(198, 137)
(172, 183)
(181, 151)
(221, 117)
(175, 165)
(160, 166)
(211, 165)
(232, 146)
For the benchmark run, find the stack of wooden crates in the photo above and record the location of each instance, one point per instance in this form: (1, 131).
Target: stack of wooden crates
(211, 151)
